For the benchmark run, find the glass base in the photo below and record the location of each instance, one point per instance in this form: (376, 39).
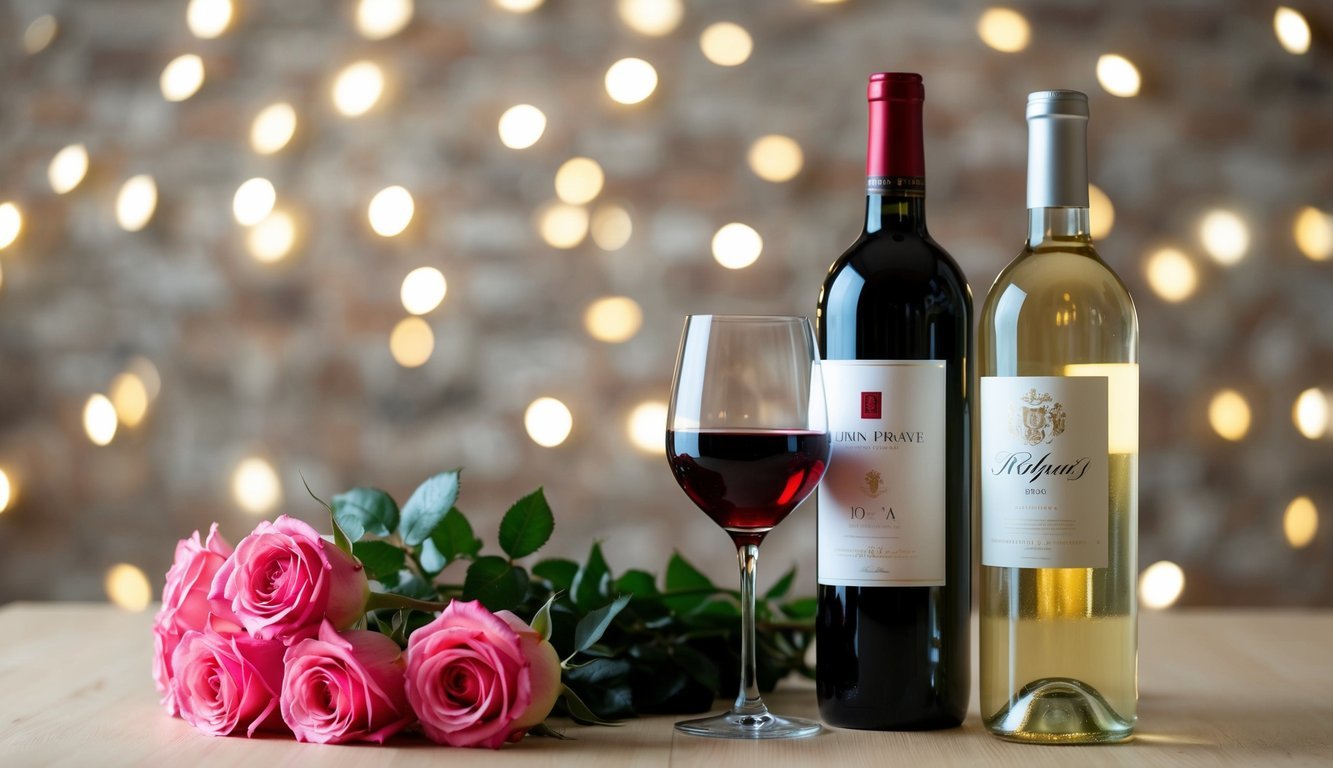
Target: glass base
(734, 725)
(1060, 711)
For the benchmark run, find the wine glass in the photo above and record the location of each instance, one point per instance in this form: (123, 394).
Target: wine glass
(747, 439)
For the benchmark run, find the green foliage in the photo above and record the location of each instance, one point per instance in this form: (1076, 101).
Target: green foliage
(632, 644)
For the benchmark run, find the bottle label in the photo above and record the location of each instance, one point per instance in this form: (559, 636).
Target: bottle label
(898, 186)
(1044, 484)
(881, 502)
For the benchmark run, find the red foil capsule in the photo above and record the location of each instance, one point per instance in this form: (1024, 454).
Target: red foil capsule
(894, 143)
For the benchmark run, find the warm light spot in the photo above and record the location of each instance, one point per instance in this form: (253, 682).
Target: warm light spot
(136, 202)
(99, 420)
(736, 246)
(380, 19)
(579, 180)
(1300, 522)
(521, 126)
(613, 319)
(611, 227)
(272, 238)
(548, 422)
(391, 210)
(1310, 414)
(411, 342)
(40, 34)
(1160, 585)
(143, 368)
(651, 17)
(630, 81)
(647, 427)
(1229, 414)
(1225, 236)
(1293, 32)
(68, 168)
(273, 128)
(255, 486)
(423, 290)
(776, 158)
(1101, 214)
(130, 398)
(1313, 230)
(6, 491)
(128, 588)
(358, 88)
(726, 44)
(208, 18)
(1004, 29)
(518, 6)
(182, 77)
(1118, 75)
(11, 224)
(253, 201)
(563, 226)
(1171, 274)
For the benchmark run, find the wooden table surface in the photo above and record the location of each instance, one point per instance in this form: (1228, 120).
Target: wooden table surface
(1217, 688)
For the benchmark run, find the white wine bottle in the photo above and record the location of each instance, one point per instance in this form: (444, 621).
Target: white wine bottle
(1058, 463)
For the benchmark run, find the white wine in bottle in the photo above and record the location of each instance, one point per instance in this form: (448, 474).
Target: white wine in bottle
(1058, 464)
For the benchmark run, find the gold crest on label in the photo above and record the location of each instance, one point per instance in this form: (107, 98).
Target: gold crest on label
(1040, 419)
(873, 484)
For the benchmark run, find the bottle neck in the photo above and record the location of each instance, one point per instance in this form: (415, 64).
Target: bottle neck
(895, 213)
(895, 159)
(1058, 225)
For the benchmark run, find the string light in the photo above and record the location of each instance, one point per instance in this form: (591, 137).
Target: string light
(1229, 415)
(579, 180)
(614, 319)
(381, 19)
(6, 491)
(358, 88)
(129, 396)
(423, 290)
(776, 158)
(147, 373)
(390, 211)
(1310, 414)
(412, 342)
(1292, 30)
(1160, 585)
(208, 19)
(127, 587)
(1004, 29)
(646, 427)
(521, 126)
(255, 486)
(273, 128)
(68, 168)
(11, 224)
(518, 6)
(253, 201)
(630, 81)
(726, 44)
(136, 202)
(1225, 236)
(612, 227)
(1118, 75)
(736, 246)
(40, 34)
(548, 422)
(654, 18)
(182, 77)
(1101, 214)
(563, 226)
(99, 420)
(1313, 230)
(1300, 522)
(273, 238)
(1171, 275)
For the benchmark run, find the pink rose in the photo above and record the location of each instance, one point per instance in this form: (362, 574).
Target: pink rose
(284, 580)
(228, 682)
(478, 679)
(346, 687)
(186, 606)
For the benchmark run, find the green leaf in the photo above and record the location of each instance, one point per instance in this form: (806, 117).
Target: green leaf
(427, 506)
(580, 711)
(365, 510)
(782, 587)
(542, 729)
(804, 608)
(697, 665)
(497, 584)
(541, 623)
(590, 585)
(681, 575)
(340, 539)
(591, 627)
(558, 572)
(381, 559)
(431, 560)
(527, 525)
(637, 583)
(453, 537)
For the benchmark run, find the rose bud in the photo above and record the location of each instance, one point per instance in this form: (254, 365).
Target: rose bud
(225, 683)
(347, 687)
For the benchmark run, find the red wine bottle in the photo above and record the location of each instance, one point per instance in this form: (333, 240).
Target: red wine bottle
(895, 329)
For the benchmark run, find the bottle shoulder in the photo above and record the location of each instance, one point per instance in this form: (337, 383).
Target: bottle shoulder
(898, 263)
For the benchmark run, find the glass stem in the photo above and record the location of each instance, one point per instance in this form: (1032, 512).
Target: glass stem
(747, 701)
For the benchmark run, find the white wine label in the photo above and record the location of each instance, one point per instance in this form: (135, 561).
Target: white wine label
(881, 502)
(1044, 484)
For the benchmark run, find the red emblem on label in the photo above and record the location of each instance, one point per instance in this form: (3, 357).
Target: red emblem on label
(871, 403)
